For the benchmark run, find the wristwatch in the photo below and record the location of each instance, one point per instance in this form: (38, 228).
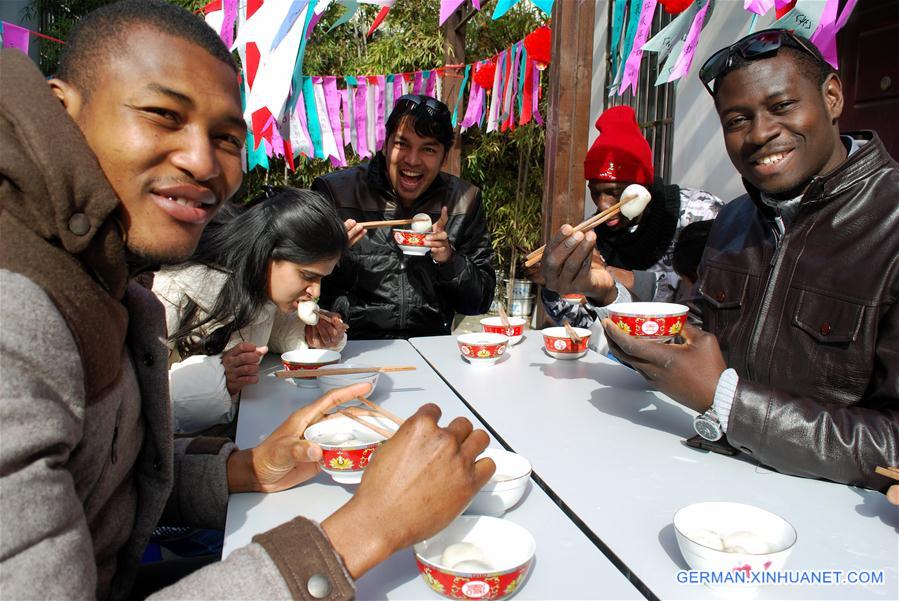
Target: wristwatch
(708, 426)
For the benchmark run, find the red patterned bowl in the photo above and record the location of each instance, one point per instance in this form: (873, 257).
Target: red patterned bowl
(651, 321)
(347, 446)
(508, 548)
(482, 348)
(411, 242)
(558, 343)
(308, 358)
(515, 330)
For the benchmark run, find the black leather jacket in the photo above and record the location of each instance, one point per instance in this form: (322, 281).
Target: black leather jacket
(809, 320)
(382, 293)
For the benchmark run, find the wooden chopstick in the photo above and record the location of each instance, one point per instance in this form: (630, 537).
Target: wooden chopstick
(370, 224)
(339, 371)
(378, 409)
(369, 425)
(598, 219)
(504, 317)
(889, 472)
(571, 333)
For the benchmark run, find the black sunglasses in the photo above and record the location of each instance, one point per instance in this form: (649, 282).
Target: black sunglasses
(432, 105)
(757, 45)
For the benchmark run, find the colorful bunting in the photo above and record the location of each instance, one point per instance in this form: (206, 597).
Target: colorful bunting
(14, 36)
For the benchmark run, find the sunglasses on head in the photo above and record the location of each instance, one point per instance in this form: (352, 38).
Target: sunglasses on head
(757, 45)
(432, 105)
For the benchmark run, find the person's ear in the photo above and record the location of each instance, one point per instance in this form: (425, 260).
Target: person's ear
(71, 98)
(832, 91)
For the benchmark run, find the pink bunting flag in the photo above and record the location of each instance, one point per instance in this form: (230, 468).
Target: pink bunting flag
(332, 102)
(360, 108)
(416, 85)
(759, 7)
(631, 75)
(227, 32)
(432, 83)
(535, 94)
(15, 37)
(380, 84)
(825, 37)
(447, 7)
(685, 60)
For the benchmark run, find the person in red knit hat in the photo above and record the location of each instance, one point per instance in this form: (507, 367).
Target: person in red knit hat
(637, 253)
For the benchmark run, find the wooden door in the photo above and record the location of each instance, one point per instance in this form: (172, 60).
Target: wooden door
(869, 65)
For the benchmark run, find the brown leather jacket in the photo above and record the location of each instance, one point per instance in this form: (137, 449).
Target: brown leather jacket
(810, 322)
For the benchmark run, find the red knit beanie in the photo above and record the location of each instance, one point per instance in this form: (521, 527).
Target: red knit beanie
(620, 153)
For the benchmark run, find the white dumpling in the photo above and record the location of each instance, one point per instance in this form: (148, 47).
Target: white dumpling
(471, 565)
(458, 553)
(746, 542)
(706, 538)
(634, 200)
(421, 223)
(307, 312)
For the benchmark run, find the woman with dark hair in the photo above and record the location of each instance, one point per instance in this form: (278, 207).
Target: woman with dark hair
(236, 298)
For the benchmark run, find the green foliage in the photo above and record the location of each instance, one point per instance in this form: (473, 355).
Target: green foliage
(507, 166)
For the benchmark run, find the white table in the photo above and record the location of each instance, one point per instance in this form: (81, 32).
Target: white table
(562, 549)
(610, 450)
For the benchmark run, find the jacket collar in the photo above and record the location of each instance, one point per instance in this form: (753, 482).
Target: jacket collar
(61, 195)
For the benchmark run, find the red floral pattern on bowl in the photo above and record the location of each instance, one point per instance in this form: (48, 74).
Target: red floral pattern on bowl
(575, 299)
(514, 332)
(482, 346)
(409, 237)
(348, 460)
(493, 585)
(651, 321)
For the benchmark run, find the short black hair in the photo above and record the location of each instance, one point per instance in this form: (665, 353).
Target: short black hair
(814, 68)
(689, 248)
(104, 31)
(426, 122)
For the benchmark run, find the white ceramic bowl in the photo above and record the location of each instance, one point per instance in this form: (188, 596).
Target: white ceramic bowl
(515, 331)
(345, 461)
(508, 547)
(411, 242)
(329, 383)
(506, 487)
(482, 348)
(559, 345)
(651, 321)
(726, 519)
(308, 358)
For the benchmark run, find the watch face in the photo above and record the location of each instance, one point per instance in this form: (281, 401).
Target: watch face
(706, 428)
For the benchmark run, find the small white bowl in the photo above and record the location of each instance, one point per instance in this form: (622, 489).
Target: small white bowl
(482, 348)
(559, 345)
(508, 547)
(515, 331)
(329, 383)
(726, 519)
(308, 358)
(344, 461)
(505, 488)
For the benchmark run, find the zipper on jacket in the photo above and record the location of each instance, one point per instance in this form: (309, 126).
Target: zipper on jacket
(773, 269)
(113, 454)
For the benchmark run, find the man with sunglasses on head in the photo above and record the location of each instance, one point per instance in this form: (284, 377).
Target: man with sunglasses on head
(798, 362)
(379, 291)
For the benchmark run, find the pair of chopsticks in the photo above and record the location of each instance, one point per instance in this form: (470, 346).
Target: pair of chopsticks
(390, 222)
(373, 427)
(339, 371)
(571, 332)
(889, 472)
(598, 219)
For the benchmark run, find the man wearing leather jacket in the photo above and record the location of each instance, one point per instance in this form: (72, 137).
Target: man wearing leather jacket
(379, 291)
(798, 362)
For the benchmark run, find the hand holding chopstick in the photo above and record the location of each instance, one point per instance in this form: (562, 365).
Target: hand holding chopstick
(339, 371)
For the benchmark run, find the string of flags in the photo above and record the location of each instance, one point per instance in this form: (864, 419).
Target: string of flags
(675, 45)
(336, 114)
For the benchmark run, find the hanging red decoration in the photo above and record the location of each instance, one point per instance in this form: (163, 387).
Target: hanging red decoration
(538, 43)
(484, 74)
(675, 7)
(382, 14)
